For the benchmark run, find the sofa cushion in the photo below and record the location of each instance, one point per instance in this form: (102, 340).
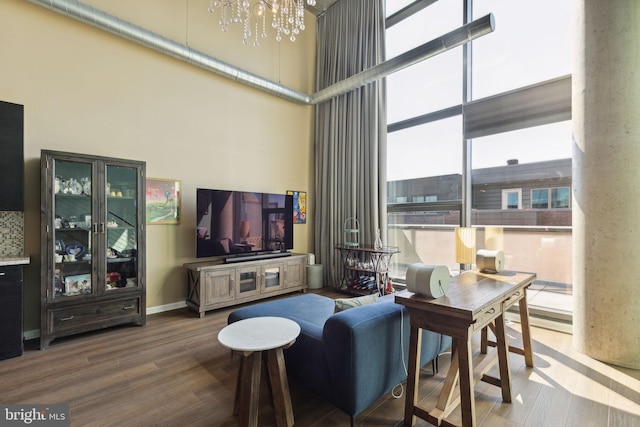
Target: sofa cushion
(347, 303)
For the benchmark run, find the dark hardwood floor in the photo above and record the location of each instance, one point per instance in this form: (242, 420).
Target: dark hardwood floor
(173, 372)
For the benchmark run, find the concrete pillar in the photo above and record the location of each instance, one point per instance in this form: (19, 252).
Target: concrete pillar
(606, 181)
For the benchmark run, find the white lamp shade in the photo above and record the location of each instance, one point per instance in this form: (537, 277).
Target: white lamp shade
(465, 245)
(494, 238)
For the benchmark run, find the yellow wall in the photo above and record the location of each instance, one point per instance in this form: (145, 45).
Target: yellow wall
(87, 91)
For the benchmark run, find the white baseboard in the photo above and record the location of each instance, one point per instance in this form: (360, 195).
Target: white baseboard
(31, 335)
(166, 307)
(35, 333)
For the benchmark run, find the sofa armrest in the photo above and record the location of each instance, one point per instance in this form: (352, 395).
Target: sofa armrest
(365, 353)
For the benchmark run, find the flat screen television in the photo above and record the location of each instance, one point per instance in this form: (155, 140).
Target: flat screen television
(233, 224)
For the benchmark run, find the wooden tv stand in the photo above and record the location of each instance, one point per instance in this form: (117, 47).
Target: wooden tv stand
(216, 284)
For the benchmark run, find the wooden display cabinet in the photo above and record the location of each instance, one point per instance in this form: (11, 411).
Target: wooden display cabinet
(93, 243)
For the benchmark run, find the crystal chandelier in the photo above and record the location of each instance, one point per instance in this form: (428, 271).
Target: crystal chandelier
(287, 16)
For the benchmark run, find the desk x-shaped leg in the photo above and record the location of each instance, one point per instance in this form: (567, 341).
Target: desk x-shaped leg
(462, 373)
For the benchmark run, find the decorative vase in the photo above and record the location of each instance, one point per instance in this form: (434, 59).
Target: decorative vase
(378, 243)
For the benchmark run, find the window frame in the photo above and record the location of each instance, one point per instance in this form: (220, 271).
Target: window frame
(505, 197)
(550, 198)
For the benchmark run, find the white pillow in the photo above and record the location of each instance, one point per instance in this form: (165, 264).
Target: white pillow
(346, 303)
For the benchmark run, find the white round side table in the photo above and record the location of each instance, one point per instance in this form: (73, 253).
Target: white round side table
(250, 337)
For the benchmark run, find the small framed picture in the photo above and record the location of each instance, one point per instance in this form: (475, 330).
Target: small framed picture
(163, 201)
(78, 284)
(299, 206)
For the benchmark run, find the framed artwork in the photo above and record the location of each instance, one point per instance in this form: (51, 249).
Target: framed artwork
(78, 284)
(299, 206)
(163, 201)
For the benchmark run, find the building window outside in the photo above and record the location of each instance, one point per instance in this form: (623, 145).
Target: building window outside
(560, 198)
(540, 198)
(512, 198)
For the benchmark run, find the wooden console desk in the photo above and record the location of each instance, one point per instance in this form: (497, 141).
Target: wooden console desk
(474, 302)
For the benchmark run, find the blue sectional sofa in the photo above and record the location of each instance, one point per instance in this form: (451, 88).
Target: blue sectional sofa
(350, 358)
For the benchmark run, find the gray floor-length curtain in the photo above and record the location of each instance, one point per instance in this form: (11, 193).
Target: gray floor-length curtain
(350, 140)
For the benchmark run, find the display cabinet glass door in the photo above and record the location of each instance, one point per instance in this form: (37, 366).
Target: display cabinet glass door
(272, 277)
(72, 229)
(121, 228)
(248, 281)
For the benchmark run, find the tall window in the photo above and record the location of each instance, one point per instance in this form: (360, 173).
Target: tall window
(520, 142)
(429, 85)
(532, 43)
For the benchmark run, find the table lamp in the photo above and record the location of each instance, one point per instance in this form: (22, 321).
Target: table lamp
(465, 246)
(494, 238)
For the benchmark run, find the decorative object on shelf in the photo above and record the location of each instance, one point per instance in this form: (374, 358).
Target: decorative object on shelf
(465, 246)
(78, 284)
(71, 186)
(163, 201)
(287, 17)
(378, 242)
(75, 250)
(299, 206)
(86, 185)
(57, 185)
(351, 232)
(389, 289)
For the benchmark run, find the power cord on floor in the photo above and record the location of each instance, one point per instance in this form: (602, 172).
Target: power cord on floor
(397, 394)
(394, 393)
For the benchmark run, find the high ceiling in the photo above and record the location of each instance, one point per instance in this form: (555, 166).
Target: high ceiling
(320, 7)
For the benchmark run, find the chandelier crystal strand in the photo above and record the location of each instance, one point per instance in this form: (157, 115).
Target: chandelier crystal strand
(264, 26)
(287, 16)
(247, 30)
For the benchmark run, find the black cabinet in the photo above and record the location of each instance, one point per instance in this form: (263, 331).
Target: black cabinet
(11, 157)
(10, 311)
